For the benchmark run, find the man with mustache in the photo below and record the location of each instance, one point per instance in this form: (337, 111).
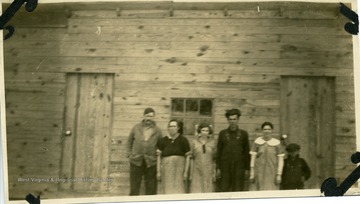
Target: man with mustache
(141, 149)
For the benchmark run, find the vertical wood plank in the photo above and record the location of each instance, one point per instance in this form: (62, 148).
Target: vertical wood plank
(102, 128)
(98, 111)
(312, 131)
(70, 117)
(326, 143)
(81, 137)
(107, 129)
(284, 108)
(91, 130)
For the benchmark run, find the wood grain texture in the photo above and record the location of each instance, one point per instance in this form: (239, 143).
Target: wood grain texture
(70, 120)
(88, 118)
(233, 53)
(316, 134)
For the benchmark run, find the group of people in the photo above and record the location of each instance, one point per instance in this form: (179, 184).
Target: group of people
(172, 164)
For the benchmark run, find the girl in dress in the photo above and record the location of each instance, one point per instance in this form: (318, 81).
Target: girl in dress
(173, 159)
(267, 160)
(203, 171)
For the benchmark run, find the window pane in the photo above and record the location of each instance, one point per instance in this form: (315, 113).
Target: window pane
(190, 126)
(206, 107)
(192, 107)
(177, 106)
(191, 122)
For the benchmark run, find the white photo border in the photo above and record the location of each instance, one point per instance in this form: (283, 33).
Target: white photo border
(246, 197)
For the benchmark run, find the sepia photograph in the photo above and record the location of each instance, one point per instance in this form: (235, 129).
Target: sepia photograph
(164, 100)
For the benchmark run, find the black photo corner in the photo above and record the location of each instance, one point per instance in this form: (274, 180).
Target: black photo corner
(350, 27)
(329, 186)
(31, 199)
(30, 5)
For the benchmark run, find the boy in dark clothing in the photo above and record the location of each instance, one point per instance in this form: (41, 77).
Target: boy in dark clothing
(296, 171)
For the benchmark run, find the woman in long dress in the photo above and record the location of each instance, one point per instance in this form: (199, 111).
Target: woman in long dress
(267, 160)
(173, 160)
(203, 171)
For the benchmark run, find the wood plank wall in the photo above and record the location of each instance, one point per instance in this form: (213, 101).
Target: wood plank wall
(234, 53)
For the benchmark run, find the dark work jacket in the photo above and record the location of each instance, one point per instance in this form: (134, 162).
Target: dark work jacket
(233, 146)
(293, 171)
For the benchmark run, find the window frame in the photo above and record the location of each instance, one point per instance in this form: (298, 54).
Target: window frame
(184, 117)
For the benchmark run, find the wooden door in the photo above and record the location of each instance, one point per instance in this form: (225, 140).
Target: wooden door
(308, 118)
(87, 128)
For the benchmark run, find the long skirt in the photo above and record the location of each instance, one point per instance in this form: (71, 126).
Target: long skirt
(172, 175)
(203, 175)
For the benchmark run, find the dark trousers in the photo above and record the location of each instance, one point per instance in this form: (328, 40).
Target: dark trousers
(136, 174)
(232, 177)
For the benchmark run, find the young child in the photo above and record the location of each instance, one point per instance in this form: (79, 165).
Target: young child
(295, 171)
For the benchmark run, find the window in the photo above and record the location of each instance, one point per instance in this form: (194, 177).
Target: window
(191, 112)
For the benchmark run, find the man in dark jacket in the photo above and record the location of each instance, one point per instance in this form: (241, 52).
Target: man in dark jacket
(296, 171)
(233, 158)
(141, 149)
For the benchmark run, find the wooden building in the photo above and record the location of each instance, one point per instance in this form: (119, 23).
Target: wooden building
(79, 75)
